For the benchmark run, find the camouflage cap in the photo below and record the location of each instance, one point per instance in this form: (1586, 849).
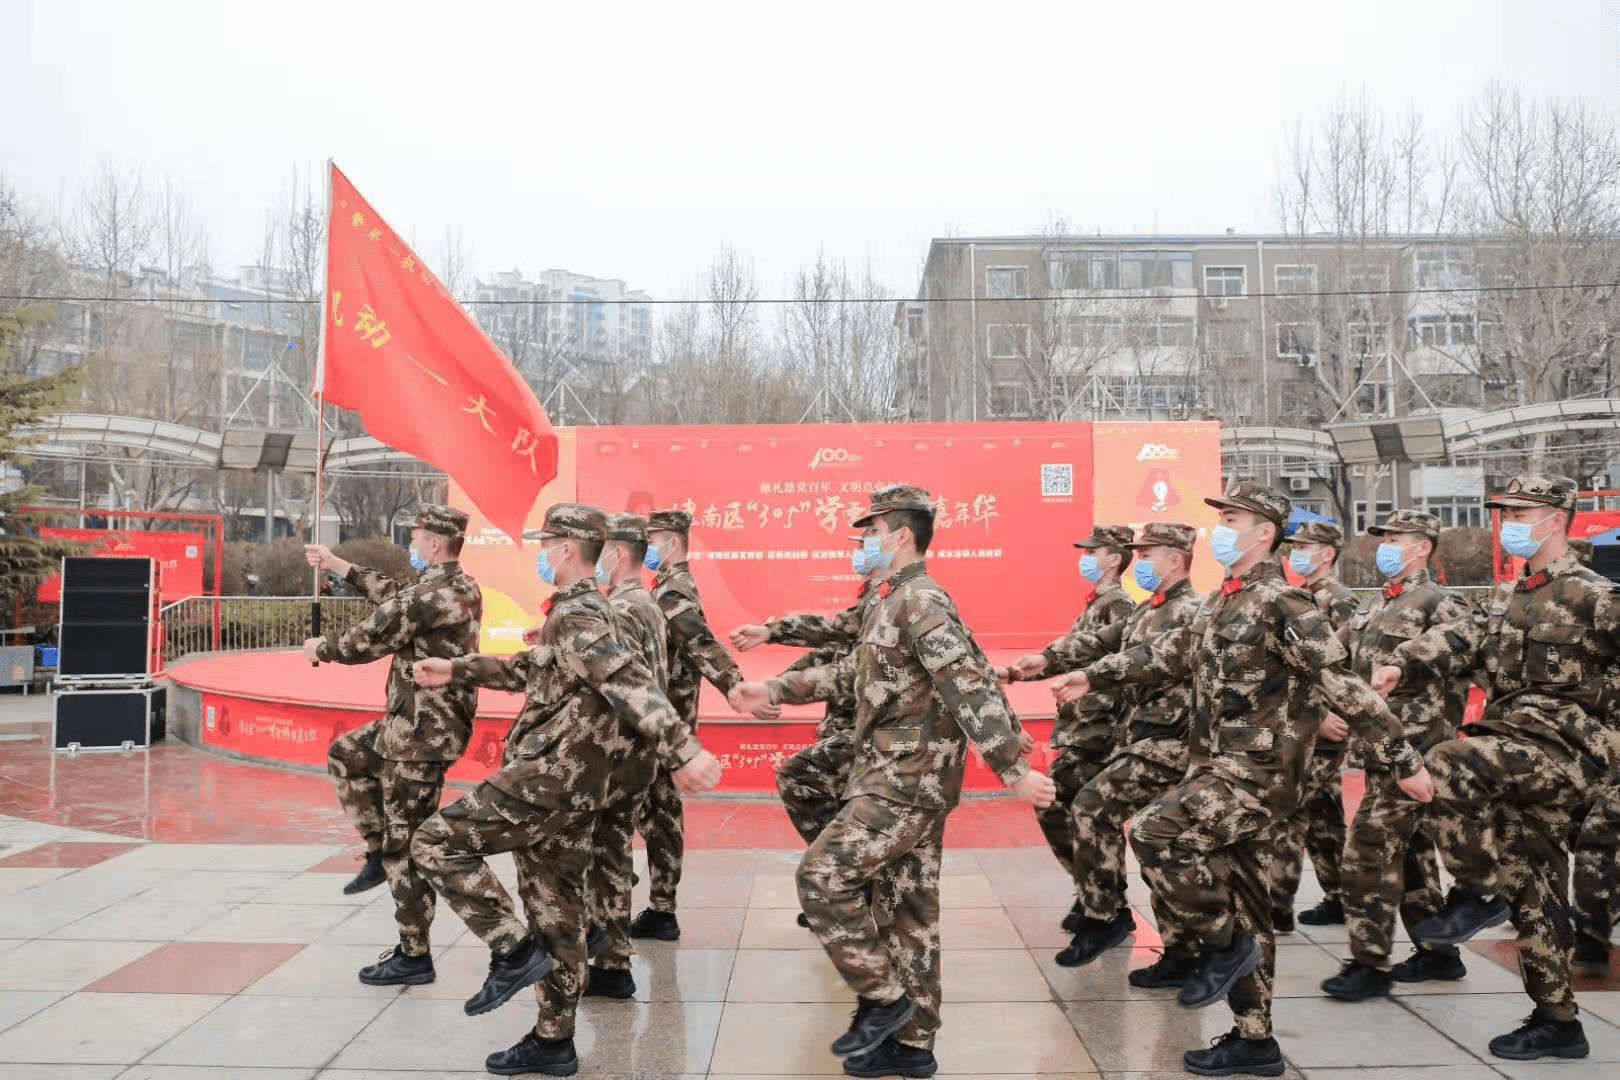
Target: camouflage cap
(630, 528)
(1268, 502)
(1170, 534)
(444, 520)
(1318, 532)
(1107, 536)
(895, 497)
(1532, 489)
(675, 521)
(1583, 549)
(576, 521)
(1408, 521)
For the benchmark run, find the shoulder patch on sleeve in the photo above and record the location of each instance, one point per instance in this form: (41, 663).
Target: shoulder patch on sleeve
(941, 646)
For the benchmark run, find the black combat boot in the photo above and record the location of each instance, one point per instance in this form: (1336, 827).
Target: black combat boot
(1464, 914)
(1072, 917)
(552, 1057)
(1094, 936)
(1282, 921)
(803, 920)
(1429, 965)
(398, 968)
(597, 942)
(370, 876)
(1541, 1036)
(1170, 969)
(873, 1022)
(892, 1059)
(1218, 971)
(1327, 913)
(523, 966)
(1357, 982)
(1591, 954)
(608, 983)
(1232, 1054)
(661, 925)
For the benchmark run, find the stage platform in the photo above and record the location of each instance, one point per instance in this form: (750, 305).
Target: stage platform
(275, 708)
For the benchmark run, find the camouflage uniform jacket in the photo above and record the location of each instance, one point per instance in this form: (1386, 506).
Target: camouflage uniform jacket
(640, 627)
(693, 651)
(435, 617)
(831, 639)
(1335, 600)
(1092, 718)
(1255, 650)
(1430, 705)
(1547, 646)
(923, 689)
(588, 703)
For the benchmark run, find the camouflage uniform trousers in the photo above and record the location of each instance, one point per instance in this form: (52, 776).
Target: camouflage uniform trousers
(608, 881)
(1203, 847)
(1112, 797)
(890, 947)
(1317, 826)
(1072, 769)
(812, 783)
(552, 850)
(1501, 815)
(663, 829)
(394, 798)
(1597, 861)
(1390, 866)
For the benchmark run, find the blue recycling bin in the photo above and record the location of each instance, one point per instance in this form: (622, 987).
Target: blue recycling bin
(47, 655)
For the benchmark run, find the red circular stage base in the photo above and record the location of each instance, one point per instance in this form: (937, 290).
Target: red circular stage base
(275, 708)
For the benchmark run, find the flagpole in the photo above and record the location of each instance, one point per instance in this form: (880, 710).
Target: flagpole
(320, 403)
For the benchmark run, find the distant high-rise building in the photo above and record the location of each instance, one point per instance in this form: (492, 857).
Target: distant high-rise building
(561, 321)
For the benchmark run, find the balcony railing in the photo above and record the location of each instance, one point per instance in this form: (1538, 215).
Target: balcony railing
(200, 624)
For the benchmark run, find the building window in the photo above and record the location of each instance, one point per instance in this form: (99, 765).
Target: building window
(1224, 281)
(1457, 511)
(1155, 270)
(1296, 280)
(1443, 268)
(1229, 337)
(1006, 341)
(1298, 398)
(1366, 339)
(1164, 332)
(1442, 331)
(1011, 399)
(1296, 340)
(1095, 332)
(1384, 510)
(1367, 278)
(1006, 282)
(914, 325)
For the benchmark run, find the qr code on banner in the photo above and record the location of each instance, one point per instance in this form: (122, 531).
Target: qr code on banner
(1057, 480)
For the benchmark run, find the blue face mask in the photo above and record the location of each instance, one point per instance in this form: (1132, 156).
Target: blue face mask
(1089, 568)
(1518, 538)
(864, 559)
(875, 557)
(1145, 577)
(418, 563)
(1302, 563)
(604, 576)
(1390, 560)
(1223, 545)
(653, 559)
(543, 567)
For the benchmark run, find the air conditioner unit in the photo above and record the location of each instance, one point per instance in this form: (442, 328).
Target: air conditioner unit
(1299, 483)
(1218, 303)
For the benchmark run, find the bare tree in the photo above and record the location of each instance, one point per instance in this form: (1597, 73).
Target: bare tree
(839, 340)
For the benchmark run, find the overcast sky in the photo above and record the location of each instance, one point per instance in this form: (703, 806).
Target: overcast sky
(633, 139)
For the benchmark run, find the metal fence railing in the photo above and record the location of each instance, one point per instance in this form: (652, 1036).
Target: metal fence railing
(211, 624)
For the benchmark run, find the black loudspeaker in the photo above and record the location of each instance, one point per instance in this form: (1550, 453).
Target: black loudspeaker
(1606, 560)
(108, 719)
(107, 617)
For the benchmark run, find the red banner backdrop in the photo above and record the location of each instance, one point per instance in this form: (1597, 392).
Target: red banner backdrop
(179, 556)
(772, 509)
(1159, 472)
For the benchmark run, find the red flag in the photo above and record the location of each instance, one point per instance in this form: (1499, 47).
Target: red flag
(421, 373)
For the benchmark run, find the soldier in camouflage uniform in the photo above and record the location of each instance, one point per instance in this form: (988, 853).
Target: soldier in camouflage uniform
(1508, 792)
(1256, 651)
(589, 705)
(1596, 850)
(923, 691)
(1317, 825)
(812, 781)
(694, 654)
(1153, 760)
(390, 773)
(641, 629)
(1390, 864)
(1086, 732)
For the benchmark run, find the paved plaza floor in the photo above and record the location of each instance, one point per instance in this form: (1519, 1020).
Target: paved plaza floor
(168, 915)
